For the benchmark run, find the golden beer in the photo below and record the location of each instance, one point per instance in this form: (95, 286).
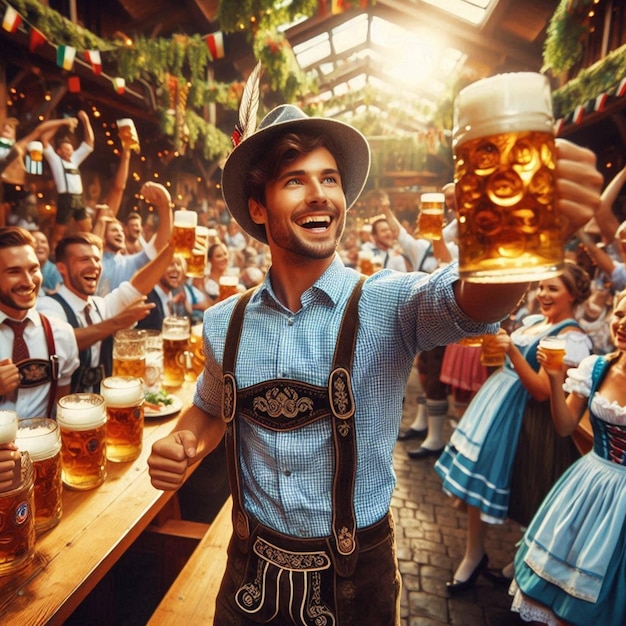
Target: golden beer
(196, 263)
(41, 438)
(35, 150)
(430, 219)
(493, 353)
(196, 354)
(505, 161)
(17, 522)
(82, 418)
(129, 353)
(174, 366)
(471, 342)
(229, 286)
(184, 232)
(554, 350)
(129, 367)
(365, 262)
(154, 360)
(128, 134)
(124, 399)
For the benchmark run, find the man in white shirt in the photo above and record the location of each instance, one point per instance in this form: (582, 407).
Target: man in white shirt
(95, 319)
(37, 355)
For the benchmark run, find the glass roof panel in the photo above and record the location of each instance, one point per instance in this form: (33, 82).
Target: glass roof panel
(473, 11)
(351, 33)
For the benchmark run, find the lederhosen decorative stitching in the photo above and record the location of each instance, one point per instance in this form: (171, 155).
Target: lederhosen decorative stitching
(35, 372)
(287, 404)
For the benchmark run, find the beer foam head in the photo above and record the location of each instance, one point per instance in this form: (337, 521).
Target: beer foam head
(81, 411)
(40, 437)
(553, 343)
(432, 197)
(121, 391)
(8, 426)
(185, 219)
(518, 101)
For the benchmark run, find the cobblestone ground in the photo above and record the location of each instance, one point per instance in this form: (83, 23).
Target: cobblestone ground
(431, 540)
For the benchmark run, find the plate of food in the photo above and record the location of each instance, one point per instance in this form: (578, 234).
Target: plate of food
(161, 404)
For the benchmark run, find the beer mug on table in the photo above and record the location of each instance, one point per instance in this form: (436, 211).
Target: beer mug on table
(41, 438)
(554, 350)
(129, 353)
(176, 331)
(17, 521)
(195, 354)
(505, 160)
(82, 419)
(154, 360)
(196, 263)
(184, 232)
(430, 219)
(124, 400)
(128, 134)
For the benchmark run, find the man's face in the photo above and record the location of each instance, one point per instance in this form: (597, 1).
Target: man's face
(305, 207)
(7, 131)
(20, 280)
(114, 239)
(42, 247)
(133, 229)
(65, 150)
(383, 235)
(173, 276)
(81, 269)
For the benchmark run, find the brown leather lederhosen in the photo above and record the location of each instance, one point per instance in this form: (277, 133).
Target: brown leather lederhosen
(282, 405)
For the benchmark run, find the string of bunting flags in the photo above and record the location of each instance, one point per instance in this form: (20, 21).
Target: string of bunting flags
(66, 55)
(594, 105)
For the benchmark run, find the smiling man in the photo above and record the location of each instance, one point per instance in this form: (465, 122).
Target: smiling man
(305, 377)
(37, 355)
(95, 319)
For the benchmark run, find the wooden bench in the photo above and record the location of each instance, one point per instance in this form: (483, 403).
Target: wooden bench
(191, 598)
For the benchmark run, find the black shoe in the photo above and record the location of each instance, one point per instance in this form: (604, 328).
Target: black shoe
(424, 453)
(497, 577)
(412, 433)
(455, 586)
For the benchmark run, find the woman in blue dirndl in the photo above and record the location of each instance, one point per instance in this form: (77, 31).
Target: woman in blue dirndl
(571, 563)
(505, 443)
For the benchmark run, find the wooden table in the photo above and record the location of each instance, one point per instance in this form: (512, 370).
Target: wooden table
(96, 528)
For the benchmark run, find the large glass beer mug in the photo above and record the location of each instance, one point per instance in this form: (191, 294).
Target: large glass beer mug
(17, 505)
(175, 334)
(184, 232)
(505, 160)
(124, 400)
(129, 353)
(82, 418)
(41, 438)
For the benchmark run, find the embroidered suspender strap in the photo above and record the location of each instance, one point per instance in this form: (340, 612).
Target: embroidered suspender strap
(241, 523)
(341, 402)
(54, 362)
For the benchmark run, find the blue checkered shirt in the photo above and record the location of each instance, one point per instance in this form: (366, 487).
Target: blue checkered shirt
(287, 476)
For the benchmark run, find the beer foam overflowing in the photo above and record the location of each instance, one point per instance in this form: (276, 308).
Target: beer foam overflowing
(121, 391)
(41, 440)
(520, 101)
(81, 411)
(8, 426)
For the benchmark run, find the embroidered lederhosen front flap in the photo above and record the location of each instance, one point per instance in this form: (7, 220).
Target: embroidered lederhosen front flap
(285, 404)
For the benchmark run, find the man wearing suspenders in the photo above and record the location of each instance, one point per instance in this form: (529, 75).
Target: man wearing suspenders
(38, 355)
(305, 375)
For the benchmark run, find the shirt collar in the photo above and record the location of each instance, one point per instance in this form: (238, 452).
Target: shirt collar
(332, 284)
(32, 315)
(76, 302)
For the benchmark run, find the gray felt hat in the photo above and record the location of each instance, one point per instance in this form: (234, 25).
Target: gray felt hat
(287, 118)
